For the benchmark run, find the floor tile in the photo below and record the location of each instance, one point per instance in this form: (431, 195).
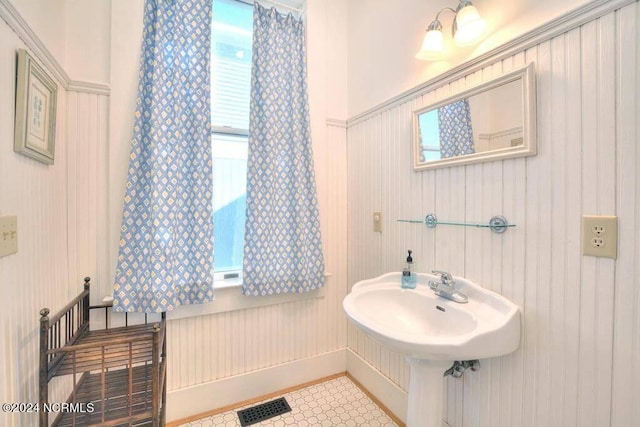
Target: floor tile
(334, 403)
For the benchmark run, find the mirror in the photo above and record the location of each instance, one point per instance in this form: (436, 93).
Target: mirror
(494, 120)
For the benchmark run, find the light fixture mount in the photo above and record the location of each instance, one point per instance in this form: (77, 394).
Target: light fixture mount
(466, 29)
(436, 25)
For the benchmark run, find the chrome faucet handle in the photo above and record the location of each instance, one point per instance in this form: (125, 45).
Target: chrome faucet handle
(445, 288)
(444, 276)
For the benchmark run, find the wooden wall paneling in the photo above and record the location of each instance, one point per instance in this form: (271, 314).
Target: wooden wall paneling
(72, 177)
(515, 261)
(557, 195)
(587, 281)
(94, 191)
(531, 311)
(338, 329)
(626, 349)
(64, 236)
(577, 364)
(416, 232)
(101, 171)
(606, 194)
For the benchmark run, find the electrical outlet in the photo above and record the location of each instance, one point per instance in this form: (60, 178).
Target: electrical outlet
(8, 235)
(377, 222)
(600, 236)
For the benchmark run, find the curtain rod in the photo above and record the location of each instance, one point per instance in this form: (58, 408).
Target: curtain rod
(275, 3)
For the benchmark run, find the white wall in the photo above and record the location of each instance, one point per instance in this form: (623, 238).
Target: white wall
(579, 359)
(69, 222)
(58, 209)
(48, 19)
(88, 32)
(125, 44)
(239, 342)
(385, 35)
(36, 276)
(227, 345)
(75, 33)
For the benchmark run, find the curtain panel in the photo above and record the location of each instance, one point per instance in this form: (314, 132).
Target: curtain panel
(282, 249)
(165, 257)
(456, 131)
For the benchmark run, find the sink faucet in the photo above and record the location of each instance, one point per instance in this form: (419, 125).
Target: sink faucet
(445, 289)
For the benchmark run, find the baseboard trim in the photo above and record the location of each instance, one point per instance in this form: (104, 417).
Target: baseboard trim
(382, 388)
(254, 400)
(377, 401)
(199, 400)
(188, 404)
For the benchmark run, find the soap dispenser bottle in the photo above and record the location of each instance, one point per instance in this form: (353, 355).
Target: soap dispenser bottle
(408, 276)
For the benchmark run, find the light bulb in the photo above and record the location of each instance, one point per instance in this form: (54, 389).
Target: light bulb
(432, 43)
(468, 26)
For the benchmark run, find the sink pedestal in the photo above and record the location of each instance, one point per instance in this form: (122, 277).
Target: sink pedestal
(425, 392)
(432, 332)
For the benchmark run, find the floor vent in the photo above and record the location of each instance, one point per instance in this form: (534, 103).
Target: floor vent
(264, 411)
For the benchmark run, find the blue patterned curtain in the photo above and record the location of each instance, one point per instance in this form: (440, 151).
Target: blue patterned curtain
(166, 245)
(456, 133)
(282, 249)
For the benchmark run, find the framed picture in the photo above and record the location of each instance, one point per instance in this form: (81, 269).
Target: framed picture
(35, 125)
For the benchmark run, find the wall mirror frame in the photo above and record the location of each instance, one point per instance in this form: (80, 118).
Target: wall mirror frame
(520, 139)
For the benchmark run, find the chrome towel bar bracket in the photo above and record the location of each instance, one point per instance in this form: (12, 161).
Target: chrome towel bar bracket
(497, 224)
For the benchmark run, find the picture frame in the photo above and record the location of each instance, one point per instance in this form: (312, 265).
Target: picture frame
(36, 104)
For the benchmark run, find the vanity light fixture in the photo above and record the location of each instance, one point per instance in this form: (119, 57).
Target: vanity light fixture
(466, 29)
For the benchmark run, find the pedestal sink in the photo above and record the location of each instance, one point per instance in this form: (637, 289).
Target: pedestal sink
(433, 332)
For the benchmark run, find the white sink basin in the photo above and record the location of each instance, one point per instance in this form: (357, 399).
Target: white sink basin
(433, 332)
(422, 325)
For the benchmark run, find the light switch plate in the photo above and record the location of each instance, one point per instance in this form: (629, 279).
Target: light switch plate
(377, 222)
(600, 236)
(8, 235)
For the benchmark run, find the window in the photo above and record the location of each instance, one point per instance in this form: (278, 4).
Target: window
(430, 136)
(231, 41)
(231, 35)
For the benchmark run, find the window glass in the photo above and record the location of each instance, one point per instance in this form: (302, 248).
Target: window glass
(230, 84)
(430, 135)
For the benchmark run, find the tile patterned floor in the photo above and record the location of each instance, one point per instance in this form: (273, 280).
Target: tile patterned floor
(337, 402)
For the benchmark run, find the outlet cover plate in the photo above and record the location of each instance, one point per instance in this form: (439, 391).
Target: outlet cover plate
(600, 236)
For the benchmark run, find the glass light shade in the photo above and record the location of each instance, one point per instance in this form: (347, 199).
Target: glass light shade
(431, 46)
(468, 25)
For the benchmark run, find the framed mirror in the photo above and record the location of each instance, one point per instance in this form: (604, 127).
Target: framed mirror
(492, 121)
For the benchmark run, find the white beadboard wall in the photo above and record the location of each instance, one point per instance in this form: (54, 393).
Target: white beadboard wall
(60, 219)
(579, 359)
(205, 349)
(63, 237)
(36, 276)
(208, 348)
(87, 195)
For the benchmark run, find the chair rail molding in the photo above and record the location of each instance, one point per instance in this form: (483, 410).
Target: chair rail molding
(547, 31)
(17, 23)
(336, 123)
